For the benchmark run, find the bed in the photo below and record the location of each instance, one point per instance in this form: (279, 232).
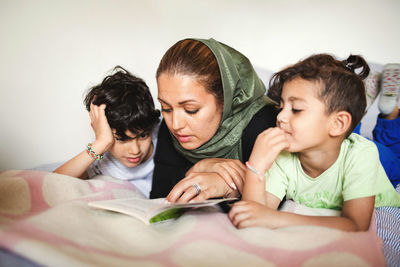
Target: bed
(45, 221)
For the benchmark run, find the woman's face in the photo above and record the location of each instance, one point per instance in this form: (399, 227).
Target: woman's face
(191, 113)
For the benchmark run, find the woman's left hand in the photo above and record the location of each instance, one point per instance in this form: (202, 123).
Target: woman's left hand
(231, 170)
(210, 185)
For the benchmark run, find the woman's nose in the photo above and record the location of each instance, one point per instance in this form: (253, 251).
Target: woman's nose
(177, 121)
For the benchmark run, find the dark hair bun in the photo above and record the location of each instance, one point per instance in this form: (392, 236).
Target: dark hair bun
(354, 62)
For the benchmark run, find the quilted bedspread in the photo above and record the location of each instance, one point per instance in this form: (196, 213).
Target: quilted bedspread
(44, 217)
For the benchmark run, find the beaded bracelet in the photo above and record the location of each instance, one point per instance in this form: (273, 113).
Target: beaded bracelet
(92, 153)
(260, 176)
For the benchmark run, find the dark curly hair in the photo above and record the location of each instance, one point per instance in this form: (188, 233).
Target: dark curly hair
(342, 88)
(129, 104)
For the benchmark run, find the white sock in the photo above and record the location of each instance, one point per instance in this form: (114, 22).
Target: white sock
(390, 88)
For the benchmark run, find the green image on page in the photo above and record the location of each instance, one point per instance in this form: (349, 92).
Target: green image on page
(168, 214)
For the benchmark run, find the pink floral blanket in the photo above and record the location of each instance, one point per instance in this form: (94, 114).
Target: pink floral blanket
(44, 217)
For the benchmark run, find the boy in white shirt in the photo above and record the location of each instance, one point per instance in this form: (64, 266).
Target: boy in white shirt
(125, 123)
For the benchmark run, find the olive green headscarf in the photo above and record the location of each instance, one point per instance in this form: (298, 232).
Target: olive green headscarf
(244, 96)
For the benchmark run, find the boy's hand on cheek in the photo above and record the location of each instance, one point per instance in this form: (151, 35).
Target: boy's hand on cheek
(267, 147)
(245, 214)
(101, 128)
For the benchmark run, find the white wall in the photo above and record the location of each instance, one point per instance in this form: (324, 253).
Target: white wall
(52, 51)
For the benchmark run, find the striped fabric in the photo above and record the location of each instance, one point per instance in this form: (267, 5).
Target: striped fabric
(388, 229)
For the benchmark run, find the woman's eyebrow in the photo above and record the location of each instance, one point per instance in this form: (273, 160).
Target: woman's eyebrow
(186, 101)
(180, 103)
(160, 100)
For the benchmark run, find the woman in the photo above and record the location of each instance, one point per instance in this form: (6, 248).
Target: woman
(214, 106)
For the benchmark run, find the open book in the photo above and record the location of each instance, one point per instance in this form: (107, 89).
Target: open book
(152, 210)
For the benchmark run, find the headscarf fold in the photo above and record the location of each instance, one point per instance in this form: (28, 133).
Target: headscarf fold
(244, 96)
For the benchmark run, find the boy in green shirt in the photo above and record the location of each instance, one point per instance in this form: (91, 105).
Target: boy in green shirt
(321, 164)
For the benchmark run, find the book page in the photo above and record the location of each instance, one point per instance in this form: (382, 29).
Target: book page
(171, 211)
(137, 207)
(205, 203)
(148, 210)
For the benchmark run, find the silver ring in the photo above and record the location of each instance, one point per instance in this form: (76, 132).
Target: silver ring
(197, 187)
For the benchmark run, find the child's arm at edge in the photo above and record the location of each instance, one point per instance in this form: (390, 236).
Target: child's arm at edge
(77, 166)
(356, 216)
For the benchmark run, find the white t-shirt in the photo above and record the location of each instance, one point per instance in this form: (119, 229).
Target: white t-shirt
(140, 176)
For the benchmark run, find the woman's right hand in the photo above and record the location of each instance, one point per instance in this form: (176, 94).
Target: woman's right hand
(101, 128)
(231, 170)
(211, 185)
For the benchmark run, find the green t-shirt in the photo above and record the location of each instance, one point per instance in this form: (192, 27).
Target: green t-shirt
(356, 173)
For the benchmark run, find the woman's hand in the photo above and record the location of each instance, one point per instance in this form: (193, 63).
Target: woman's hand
(231, 170)
(245, 214)
(211, 184)
(101, 128)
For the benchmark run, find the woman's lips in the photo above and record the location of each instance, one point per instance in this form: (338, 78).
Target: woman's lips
(133, 160)
(183, 138)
